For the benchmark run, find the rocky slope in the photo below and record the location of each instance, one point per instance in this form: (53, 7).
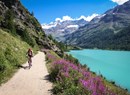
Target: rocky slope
(102, 31)
(20, 22)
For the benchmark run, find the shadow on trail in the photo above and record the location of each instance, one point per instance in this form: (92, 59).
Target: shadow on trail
(24, 67)
(47, 77)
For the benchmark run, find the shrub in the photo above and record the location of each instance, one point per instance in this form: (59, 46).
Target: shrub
(113, 82)
(2, 63)
(9, 3)
(9, 24)
(60, 45)
(71, 58)
(9, 57)
(26, 37)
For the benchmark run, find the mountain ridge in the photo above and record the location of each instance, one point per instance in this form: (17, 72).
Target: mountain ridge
(100, 31)
(63, 27)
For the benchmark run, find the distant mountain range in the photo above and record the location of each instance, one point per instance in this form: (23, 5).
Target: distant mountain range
(59, 29)
(110, 30)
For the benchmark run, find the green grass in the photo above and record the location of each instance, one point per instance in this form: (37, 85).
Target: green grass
(12, 53)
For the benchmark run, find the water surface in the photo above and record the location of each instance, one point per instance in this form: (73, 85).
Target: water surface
(114, 65)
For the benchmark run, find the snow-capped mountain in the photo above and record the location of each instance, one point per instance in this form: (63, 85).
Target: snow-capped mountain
(65, 26)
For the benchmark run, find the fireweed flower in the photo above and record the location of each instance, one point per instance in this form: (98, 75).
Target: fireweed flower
(50, 56)
(67, 69)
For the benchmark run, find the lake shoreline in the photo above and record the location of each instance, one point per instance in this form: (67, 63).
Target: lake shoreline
(89, 61)
(101, 49)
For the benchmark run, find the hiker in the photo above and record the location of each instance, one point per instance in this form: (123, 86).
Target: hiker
(30, 55)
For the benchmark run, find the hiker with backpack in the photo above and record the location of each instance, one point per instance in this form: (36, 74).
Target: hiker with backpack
(30, 55)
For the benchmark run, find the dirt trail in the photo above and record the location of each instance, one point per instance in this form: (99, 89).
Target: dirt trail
(31, 81)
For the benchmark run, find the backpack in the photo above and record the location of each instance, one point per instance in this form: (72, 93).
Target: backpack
(30, 53)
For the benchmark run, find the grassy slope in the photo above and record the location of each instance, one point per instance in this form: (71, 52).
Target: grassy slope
(12, 53)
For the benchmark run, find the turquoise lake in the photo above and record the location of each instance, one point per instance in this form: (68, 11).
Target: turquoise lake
(113, 65)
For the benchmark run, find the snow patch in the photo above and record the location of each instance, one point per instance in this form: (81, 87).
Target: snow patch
(100, 16)
(46, 26)
(61, 30)
(73, 26)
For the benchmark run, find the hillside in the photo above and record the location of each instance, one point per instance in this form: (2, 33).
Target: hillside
(20, 22)
(12, 54)
(19, 30)
(103, 31)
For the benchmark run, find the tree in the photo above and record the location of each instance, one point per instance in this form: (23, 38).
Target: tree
(9, 3)
(32, 13)
(26, 36)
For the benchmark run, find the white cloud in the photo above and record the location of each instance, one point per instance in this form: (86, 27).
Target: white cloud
(58, 19)
(66, 18)
(120, 2)
(88, 18)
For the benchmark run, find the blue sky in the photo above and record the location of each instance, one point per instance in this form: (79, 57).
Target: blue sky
(47, 11)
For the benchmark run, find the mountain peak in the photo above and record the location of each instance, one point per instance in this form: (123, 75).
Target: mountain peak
(68, 19)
